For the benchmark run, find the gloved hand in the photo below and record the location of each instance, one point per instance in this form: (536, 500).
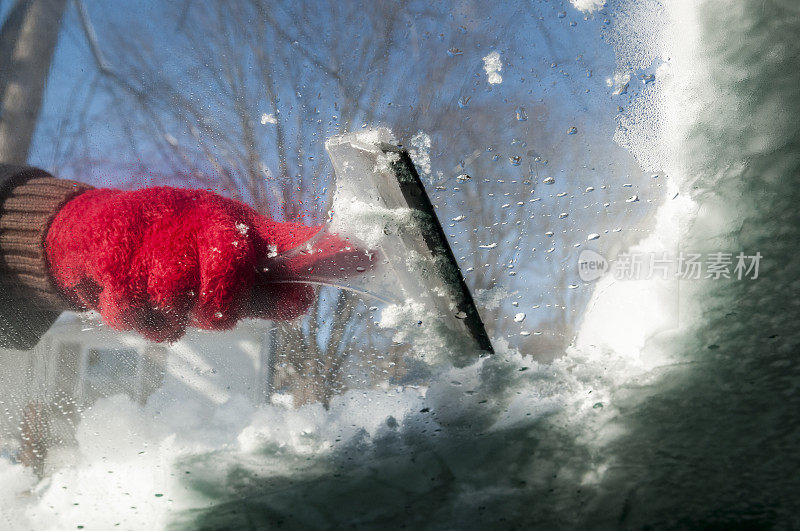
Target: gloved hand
(159, 259)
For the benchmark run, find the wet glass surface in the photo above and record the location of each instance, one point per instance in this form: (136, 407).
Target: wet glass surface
(576, 154)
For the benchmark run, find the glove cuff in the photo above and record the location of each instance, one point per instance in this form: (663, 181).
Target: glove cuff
(28, 207)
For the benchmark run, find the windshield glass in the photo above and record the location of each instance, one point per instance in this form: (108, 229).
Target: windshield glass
(611, 179)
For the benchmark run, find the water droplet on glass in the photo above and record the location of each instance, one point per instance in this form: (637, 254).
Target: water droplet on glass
(548, 180)
(515, 160)
(518, 318)
(549, 234)
(590, 189)
(452, 52)
(459, 218)
(521, 114)
(632, 199)
(489, 246)
(461, 315)
(463, 102)
(563, 215)
(592, 236)
(463, 177)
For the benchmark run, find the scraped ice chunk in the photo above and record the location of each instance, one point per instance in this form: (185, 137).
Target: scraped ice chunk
(492, 65)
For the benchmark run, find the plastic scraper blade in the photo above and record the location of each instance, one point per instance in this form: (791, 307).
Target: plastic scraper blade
(380, 203)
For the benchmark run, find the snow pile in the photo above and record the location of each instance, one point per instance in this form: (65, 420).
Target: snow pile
(151, 468)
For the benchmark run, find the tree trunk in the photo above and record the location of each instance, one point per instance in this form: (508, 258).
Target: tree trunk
(28, 39)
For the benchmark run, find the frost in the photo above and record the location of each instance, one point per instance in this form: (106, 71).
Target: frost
(369, 137)
(385, 161)
(368, 222)
(619, 83)
(434, 342)
(491, 299)
(492, 65)
(421, 152)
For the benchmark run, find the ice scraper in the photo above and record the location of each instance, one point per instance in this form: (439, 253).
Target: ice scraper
(381, 204)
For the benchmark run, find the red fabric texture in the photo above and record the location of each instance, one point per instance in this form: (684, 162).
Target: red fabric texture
(159, 259)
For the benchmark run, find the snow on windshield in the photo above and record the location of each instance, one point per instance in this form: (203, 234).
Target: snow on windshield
(580, 156)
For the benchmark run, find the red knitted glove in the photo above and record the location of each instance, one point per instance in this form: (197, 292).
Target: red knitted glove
(159, 259)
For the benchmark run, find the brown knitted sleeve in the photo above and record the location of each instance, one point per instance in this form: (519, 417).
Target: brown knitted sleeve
(29, 204)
